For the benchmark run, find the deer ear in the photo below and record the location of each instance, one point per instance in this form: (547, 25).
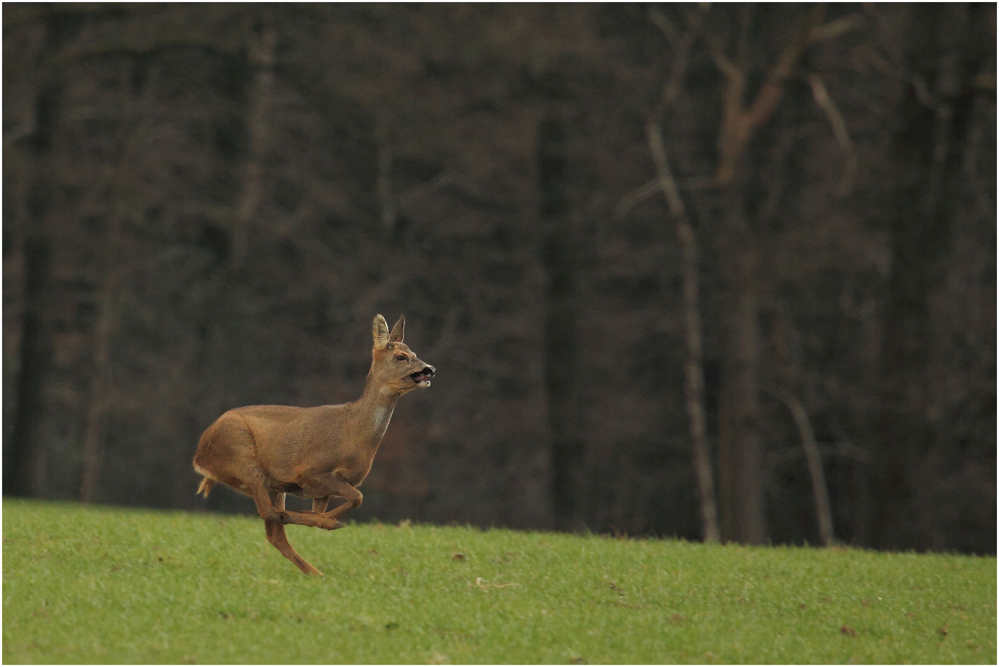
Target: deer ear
(399, 330)
(379, 331)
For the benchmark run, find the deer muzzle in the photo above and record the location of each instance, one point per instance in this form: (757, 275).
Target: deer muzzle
(422, 377)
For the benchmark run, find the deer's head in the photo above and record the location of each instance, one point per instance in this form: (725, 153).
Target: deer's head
(393, 364)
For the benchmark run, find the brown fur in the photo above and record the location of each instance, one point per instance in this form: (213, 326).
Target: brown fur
(267, 451)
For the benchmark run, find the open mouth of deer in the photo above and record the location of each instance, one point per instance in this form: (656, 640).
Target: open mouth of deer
(422, 377)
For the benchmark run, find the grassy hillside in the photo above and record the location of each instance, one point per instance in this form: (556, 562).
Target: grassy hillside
(86, 585)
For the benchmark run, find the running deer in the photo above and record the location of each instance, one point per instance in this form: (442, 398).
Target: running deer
(267, 451)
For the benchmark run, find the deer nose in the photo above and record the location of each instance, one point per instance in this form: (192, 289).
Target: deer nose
(429, 370)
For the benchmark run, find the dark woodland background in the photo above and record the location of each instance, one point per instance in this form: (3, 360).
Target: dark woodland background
(620, 232)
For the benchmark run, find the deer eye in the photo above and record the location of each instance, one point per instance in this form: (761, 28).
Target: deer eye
(401, 357)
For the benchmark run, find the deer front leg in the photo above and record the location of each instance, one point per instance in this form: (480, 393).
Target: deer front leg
(326, 485)
(270, 512)
(319, 504)
(323, 521)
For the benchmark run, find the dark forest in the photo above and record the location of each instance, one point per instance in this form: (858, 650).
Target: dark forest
(721, 272)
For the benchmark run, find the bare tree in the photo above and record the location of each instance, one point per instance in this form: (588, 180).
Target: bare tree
(693, 367)
(740, 450)
(23, 455)
(938, 67)
(138, 87)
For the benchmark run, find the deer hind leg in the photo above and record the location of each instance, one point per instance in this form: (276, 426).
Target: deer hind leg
(277, 537)
(226, 454)
(254, 483)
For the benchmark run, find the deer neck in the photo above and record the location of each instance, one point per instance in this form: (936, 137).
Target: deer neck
(374, 411)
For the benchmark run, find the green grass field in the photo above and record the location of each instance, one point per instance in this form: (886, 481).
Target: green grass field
(108, 585)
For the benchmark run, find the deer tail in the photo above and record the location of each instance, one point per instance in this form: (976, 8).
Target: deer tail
(205, 486)
(206, 483)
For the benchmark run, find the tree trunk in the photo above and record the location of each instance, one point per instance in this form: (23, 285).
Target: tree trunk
(107, 319)
(927, 146)
(93, 438)
(740, 452)
(22, 451)
(262, 48)
(138, 84)
(23, 456)
(560, 345)
(693, 367)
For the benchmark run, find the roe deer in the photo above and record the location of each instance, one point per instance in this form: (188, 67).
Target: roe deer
(267, 451)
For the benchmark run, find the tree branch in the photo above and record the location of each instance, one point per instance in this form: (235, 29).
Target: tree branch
(739, 121)
(772, 90)
(666, 181)
(681, 44)
(819, 489)
(637, 195)
(835, 28)
(826, 103)
(662, 22)
(722, 62)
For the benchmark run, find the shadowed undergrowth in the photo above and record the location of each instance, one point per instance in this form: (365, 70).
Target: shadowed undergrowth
(110, 585)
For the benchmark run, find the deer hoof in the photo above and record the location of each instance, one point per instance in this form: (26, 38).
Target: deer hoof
(308, 568)
(331, 524)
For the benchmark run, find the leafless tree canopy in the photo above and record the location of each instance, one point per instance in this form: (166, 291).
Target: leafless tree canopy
(723, 272)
